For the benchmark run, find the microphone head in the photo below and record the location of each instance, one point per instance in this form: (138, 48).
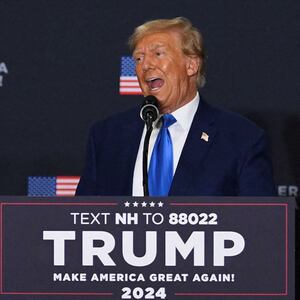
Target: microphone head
(149, 111)
(150, 99)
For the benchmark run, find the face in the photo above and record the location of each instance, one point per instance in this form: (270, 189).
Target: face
(164, 71)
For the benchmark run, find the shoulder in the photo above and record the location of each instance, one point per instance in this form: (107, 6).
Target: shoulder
(117, 121)
(233, 125)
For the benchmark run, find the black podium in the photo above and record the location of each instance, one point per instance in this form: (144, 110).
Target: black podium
(147, 248)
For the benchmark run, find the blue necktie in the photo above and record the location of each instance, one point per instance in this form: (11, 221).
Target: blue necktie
(161, 165)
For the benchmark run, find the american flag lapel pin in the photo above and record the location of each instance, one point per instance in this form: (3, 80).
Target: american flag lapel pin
(204, 136)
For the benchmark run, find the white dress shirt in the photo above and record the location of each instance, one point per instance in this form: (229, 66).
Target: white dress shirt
(178, 131)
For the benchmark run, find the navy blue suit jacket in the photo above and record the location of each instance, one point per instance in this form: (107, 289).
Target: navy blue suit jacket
(233, 162)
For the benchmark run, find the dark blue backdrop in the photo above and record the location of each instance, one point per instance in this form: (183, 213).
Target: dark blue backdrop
(63, 65)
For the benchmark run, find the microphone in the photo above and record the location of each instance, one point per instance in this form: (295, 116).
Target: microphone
(149, 111)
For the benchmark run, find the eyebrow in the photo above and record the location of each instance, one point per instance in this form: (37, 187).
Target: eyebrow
(152, 48)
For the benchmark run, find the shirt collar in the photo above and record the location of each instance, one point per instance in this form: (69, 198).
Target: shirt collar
(185, 114)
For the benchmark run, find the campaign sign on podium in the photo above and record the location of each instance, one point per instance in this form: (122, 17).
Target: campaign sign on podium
(147, 248)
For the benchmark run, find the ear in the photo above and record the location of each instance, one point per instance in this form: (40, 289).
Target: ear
(192, 65)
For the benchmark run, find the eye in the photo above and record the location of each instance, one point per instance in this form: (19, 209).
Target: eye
(138, 59)
(159, 52)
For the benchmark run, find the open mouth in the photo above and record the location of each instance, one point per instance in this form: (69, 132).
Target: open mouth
(155, 83)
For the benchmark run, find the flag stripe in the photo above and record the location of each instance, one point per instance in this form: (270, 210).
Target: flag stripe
(130, 93)
(59, 180)
(65, 193)
(128, 78)
(66, 187)
(129, 89)
(136, 84)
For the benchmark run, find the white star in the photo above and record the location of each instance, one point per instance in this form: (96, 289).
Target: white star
(127, 204)
(144, 204)
(135, 204)
(160, 204)
(152, 204)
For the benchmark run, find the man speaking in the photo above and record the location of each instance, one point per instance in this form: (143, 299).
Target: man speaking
(194, 148)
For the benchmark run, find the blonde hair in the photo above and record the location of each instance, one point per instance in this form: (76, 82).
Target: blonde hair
(191, 38)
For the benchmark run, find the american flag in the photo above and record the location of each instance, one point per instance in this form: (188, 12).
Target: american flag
(129, 84)
(52, 186)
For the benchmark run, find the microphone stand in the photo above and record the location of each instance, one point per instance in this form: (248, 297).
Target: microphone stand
(149, 122)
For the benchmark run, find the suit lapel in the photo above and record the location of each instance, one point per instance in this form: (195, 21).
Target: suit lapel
(197, 145)
(131, 136)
